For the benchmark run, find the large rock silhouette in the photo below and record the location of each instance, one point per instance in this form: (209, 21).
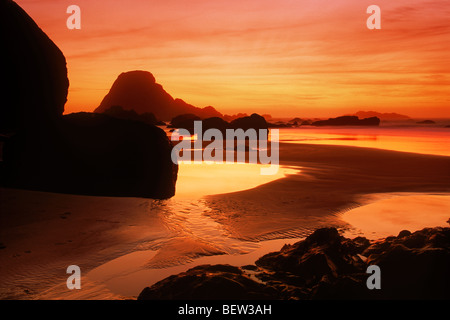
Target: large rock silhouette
(84, 153)
(33, 72)
(93, 154)
(348, 121)
(137, 90)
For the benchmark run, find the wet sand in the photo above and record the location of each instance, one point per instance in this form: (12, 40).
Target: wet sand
(43, 233)
(333, 179)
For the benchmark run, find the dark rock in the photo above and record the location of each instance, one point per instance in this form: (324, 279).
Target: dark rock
(184, 121)
(323, 266)
(414, 273)
(138, 91)
(404, 233)
(208, 282)
(383, 116)
(251, 267)
(348, 121)
(295, 121)
(321, 253)
(255, 121)
(280, 124)
(92, 154)
(120, 113)
(229, 118)
(33, 72)
(215, 123)
(342, 288)
(426, 122)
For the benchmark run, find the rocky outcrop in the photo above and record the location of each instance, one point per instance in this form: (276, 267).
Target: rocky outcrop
(348, 121)
(137, 90)
(208, 282)
(33, 75)
(93, 154)
(327, 265)
(255, 121)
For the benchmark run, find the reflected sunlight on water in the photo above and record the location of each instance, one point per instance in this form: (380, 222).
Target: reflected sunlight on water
(396, 212)
(418, 140)
(197, 179)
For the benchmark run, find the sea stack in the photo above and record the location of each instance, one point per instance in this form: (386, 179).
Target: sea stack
(138, 90)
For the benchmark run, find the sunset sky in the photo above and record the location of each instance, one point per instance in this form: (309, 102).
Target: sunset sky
(306, 58)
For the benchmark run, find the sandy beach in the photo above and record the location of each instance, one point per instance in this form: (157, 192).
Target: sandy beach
(42, 233)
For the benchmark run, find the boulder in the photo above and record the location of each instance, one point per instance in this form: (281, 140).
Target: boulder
(33, 72)
(92, 154)
(322, 253)
(208, 282)
(326, 265)
(255, 121)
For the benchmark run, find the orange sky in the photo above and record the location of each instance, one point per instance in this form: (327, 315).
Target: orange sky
(301, 58)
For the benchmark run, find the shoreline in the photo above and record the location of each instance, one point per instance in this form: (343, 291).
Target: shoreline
(90, 231)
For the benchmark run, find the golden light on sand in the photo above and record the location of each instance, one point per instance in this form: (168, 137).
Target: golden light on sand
(197, 179)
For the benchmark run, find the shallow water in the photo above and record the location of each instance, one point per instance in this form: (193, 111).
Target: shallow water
(434, 140)
(388, 214)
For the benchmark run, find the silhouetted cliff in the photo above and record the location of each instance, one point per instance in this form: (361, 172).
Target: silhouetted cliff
(138, 91)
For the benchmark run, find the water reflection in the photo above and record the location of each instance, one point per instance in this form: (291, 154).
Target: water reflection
(418, 140)
(197, 179)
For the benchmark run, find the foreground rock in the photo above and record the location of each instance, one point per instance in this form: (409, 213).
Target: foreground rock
(208, 282)
(92, 154)
(33, 75)
(348, 121)
(326, 266)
